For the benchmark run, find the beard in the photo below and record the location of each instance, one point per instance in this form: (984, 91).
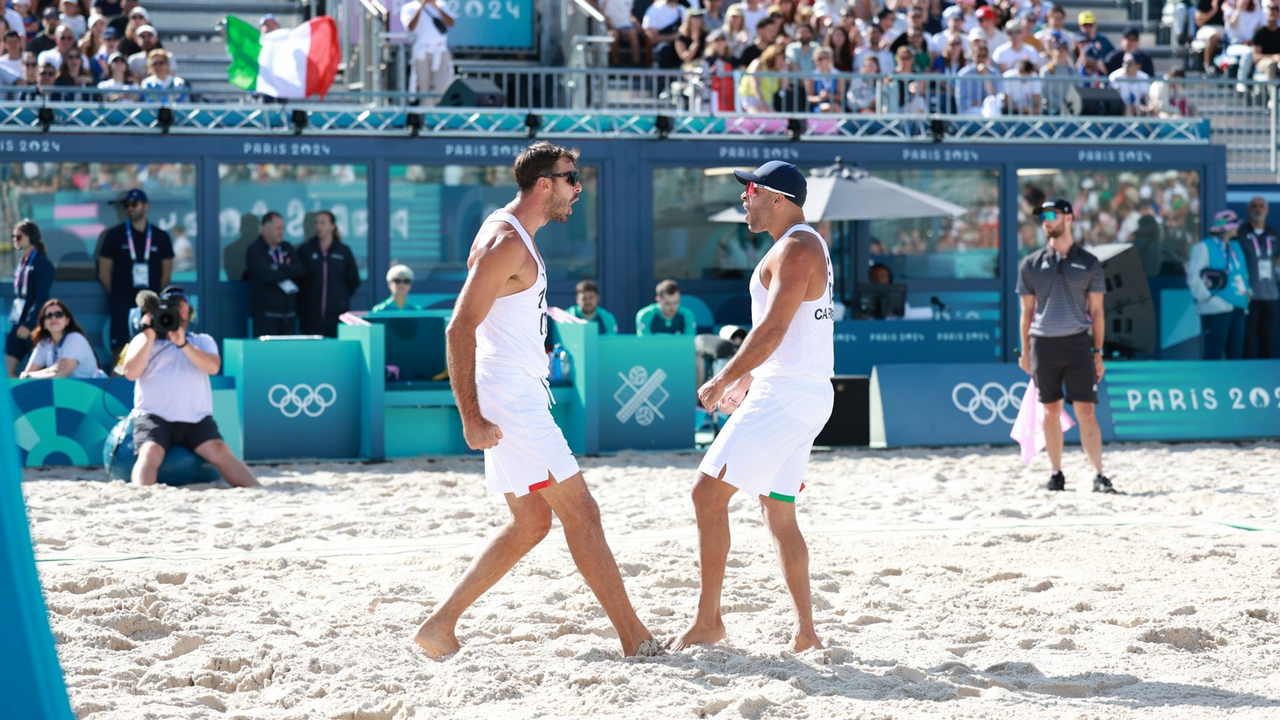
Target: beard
(1055, 234)
(558, 208)
(758, 220)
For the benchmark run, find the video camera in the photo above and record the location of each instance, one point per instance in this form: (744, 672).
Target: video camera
(163, 312)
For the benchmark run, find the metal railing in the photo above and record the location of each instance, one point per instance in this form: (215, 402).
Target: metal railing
(1242, 115)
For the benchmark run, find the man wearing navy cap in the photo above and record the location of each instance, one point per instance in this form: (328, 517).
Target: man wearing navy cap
(1062, 328)
(1129, 46)
(786, 361)
(132, 256)
(172, 397)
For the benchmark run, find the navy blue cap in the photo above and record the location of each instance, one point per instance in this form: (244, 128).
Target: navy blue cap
(135, 195)
(1059, 204)
(780, 177)
(173, 292)
(110, 34)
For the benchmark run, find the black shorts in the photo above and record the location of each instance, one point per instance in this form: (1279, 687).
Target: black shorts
(153, 428)
(1059, 361)
(14, 346)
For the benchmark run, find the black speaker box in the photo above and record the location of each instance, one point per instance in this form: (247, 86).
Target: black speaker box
(850, 422)
(473, 92)
(1092, 101)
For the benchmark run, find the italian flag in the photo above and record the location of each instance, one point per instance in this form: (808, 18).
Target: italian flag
(295, 63)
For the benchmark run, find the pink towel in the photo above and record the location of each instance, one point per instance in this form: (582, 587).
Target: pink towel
(1028, 428)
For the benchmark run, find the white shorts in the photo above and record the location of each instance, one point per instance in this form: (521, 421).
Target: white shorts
(767, 440)
(532, 445)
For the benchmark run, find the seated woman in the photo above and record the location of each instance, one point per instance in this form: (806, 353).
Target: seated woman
(62, 350)
(399, 282)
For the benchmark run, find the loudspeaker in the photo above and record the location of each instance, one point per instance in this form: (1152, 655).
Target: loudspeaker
(850, 422)
(473, 92)
(1092, 101)
(1128, 308)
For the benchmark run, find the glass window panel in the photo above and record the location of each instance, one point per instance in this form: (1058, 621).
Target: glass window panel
(297, 192)
(73, 202)
(942, 247)
(686, 243)
(1111, 207)
(437, 209)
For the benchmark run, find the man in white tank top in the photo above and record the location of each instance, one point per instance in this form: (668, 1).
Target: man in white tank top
(786, 361)
(497, 366)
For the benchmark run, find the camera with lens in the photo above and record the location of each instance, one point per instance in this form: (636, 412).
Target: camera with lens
(163, 311)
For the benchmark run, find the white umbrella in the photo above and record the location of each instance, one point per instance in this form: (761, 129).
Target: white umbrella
(860, 197)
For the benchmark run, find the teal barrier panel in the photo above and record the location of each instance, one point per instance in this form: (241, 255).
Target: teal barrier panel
(30, 677)
(372, 369)
(65, 421)
(637, 392)
(932, 405)
(1194, 400)
(299, 398)
(859, 344)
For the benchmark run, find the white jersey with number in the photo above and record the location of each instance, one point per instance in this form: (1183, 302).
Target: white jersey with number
(515, 332)
(808, 348)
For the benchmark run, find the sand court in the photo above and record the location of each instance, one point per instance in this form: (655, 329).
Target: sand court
(946, 583)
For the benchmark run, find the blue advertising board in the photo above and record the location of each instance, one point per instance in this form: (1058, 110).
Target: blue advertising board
(1193, 400)
(859, 344)
(506, 24)
(951, 405)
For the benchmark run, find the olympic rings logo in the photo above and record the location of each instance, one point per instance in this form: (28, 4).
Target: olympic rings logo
(299, 399)
(992, 401)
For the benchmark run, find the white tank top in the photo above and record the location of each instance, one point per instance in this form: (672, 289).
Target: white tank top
(515, 332)
(808, 348)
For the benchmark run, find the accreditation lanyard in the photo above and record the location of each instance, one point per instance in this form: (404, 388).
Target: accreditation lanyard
(141, 269)
(277, 255)
(22, 276)
(1264, 262)
(57, 349)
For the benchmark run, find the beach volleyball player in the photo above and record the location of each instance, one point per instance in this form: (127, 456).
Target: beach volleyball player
(498, 369)
(786, 362)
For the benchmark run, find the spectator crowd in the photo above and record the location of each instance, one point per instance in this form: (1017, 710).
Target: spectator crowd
(1008, 57)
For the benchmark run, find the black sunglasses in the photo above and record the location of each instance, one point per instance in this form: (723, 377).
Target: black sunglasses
(54, 315)
(571, 174)
(132, 203)
(401, 281)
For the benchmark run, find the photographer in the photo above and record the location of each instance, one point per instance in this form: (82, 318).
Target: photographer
(172, 397)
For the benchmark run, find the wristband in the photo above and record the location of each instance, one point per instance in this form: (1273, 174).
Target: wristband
(1095, 351)
(188, 342)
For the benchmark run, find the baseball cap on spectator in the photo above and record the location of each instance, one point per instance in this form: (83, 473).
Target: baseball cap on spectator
(140, 11)
(1091, 53)
(148, 29)
(116, 56)
(715, 35)
(265, 18)
(50, 12)
(780, 177)
(1057, 37)
(1059, 204)
(985, 13)
(1131, 32)
(1224, 221)
(951, 11)
(110, 34)
(135, 195)
(734, 9)
(1086, 18)
(173, 292)
(1130, 59)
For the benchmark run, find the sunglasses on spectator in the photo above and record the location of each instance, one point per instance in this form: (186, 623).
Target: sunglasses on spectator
(54, 315)
(571, 174)
(48, 73)
(1048, 216)
(401, 281)
(142, 35)
(30, 64)
(159, 62)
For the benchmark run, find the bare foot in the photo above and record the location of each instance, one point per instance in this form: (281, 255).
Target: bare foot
(806, 641)
(698, 634)
(437, 641)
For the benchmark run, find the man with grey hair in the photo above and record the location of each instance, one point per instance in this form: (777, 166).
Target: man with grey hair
(399, 282)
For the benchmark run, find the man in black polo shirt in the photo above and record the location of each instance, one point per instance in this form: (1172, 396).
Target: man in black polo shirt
(132, 256)
(1265, 57)
(1062, 287)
